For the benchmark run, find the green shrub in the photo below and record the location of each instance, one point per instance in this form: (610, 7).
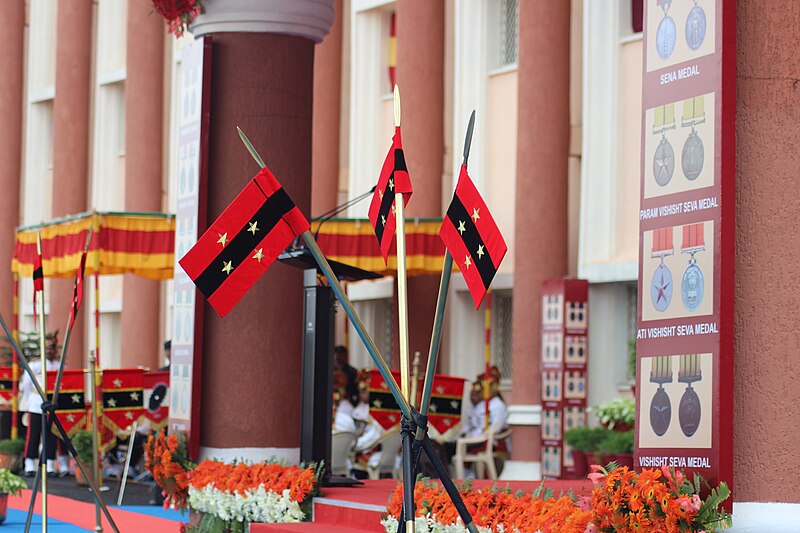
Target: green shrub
(82, 440)
(584, 438)
(616, 442)
(12, 446)
(11, 483)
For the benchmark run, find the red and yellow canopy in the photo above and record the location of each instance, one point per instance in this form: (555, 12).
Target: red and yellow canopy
(136, 243)
(353, 242)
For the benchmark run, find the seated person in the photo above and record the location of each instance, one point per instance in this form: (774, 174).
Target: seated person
(342, 421)
(340, 385)
(361, 411)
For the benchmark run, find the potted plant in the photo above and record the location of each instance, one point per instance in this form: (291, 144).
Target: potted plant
(584, 442)
(619, 414)
(11, 451)
(10, 483)
(82, 440)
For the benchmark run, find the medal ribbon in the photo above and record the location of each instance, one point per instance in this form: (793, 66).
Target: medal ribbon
(661, 371)
(693, 237)
(662, 242)
(694, 111)
(689, 370)
(664, 118)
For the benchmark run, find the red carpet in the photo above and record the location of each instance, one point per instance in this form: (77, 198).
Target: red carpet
(358, 509)
(83, 515)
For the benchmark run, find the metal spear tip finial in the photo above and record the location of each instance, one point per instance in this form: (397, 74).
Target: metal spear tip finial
(468, 139)
(396, 106)
(250, 147)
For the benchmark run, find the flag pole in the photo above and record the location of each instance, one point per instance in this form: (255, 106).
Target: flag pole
(14, 366)
(487, 358)
(341, 295)
(402, 289)
(56, 388)
(43, 356)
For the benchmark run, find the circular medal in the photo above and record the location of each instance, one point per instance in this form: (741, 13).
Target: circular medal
(692, 156)
(689, 412)
(692, 287)
(660, 412)
(665, 37)
(695, 27)
(663, 162)
(661, 288)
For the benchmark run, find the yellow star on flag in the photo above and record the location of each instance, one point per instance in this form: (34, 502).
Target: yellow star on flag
(117, 383)
(135, 396)
(253, 227)
(70, 418)
(227, 267)
(454, 404)
(223, 239)
(380, 193)
(394, 209)
(476, 214)
(480, 251)
(377, 404)
(112, 402)
(383, 220)
(75, 398)
(391, 184)
(440, 390)
(128, 415)
(447, 422)
(259, 254)
(461, 227)
(433, 408)
(467, 262)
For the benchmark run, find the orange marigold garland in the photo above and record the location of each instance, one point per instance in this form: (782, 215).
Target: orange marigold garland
(168, 462)
(621, 501)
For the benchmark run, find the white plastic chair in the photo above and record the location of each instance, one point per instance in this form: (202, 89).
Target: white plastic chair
(391, 443)
(483, 458)
(341, 444)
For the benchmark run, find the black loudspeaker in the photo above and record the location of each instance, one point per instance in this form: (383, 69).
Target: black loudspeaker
(317, 403)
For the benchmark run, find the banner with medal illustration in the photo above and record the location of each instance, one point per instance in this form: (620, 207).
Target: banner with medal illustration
(6, 385)
(684, 338)
(71, 407)
(123, 397)
(156, 399)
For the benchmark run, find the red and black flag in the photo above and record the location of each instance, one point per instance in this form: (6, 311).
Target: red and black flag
(393, 180)
(243, 242)
(123, 397)
(156, 398)
(471, 235)
(38, 281)
(383, 408)
(6, 385)
(71, 406)
(444, 412)
(77, 291)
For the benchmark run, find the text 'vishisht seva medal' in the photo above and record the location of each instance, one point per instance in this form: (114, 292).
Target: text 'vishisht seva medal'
(661, 286)
(689, 410)
(660, 406)
(695, 27)
(692, 284)
(693, 153)
(664, 158)
(665, 36)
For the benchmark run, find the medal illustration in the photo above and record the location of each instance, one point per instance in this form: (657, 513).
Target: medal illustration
(695, 27)
(693, 153)
(661, 285)
(692, 283)
(690, 408)
(660, 406)
(664, 158)
(665, 35)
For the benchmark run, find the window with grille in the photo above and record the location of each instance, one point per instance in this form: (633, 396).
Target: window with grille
(501, 332)
(508, 34)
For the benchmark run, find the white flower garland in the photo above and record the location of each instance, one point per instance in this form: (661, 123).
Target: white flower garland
(257, 505)
(428, 524)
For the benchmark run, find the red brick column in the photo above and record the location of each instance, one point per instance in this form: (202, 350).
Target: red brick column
(541, 210)
(144, 114)
(71, 148)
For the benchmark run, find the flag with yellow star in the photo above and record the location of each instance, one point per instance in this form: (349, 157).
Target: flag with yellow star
(123, 397)
(243, 242)
(71, 406)
(6, 385)
(444, 411)
(382, 406)
(394, 179)
(472, 237)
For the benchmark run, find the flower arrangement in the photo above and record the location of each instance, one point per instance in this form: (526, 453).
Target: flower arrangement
(169, 463)
(621, 501)
(178, 14)
(233, 495)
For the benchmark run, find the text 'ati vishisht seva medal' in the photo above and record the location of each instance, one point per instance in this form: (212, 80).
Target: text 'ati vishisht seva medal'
(664, 158)
(661, 286)
(690, 409)
(665, 35)
(693, 153)
(695, 27)
(692, 284)
(660, 406)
